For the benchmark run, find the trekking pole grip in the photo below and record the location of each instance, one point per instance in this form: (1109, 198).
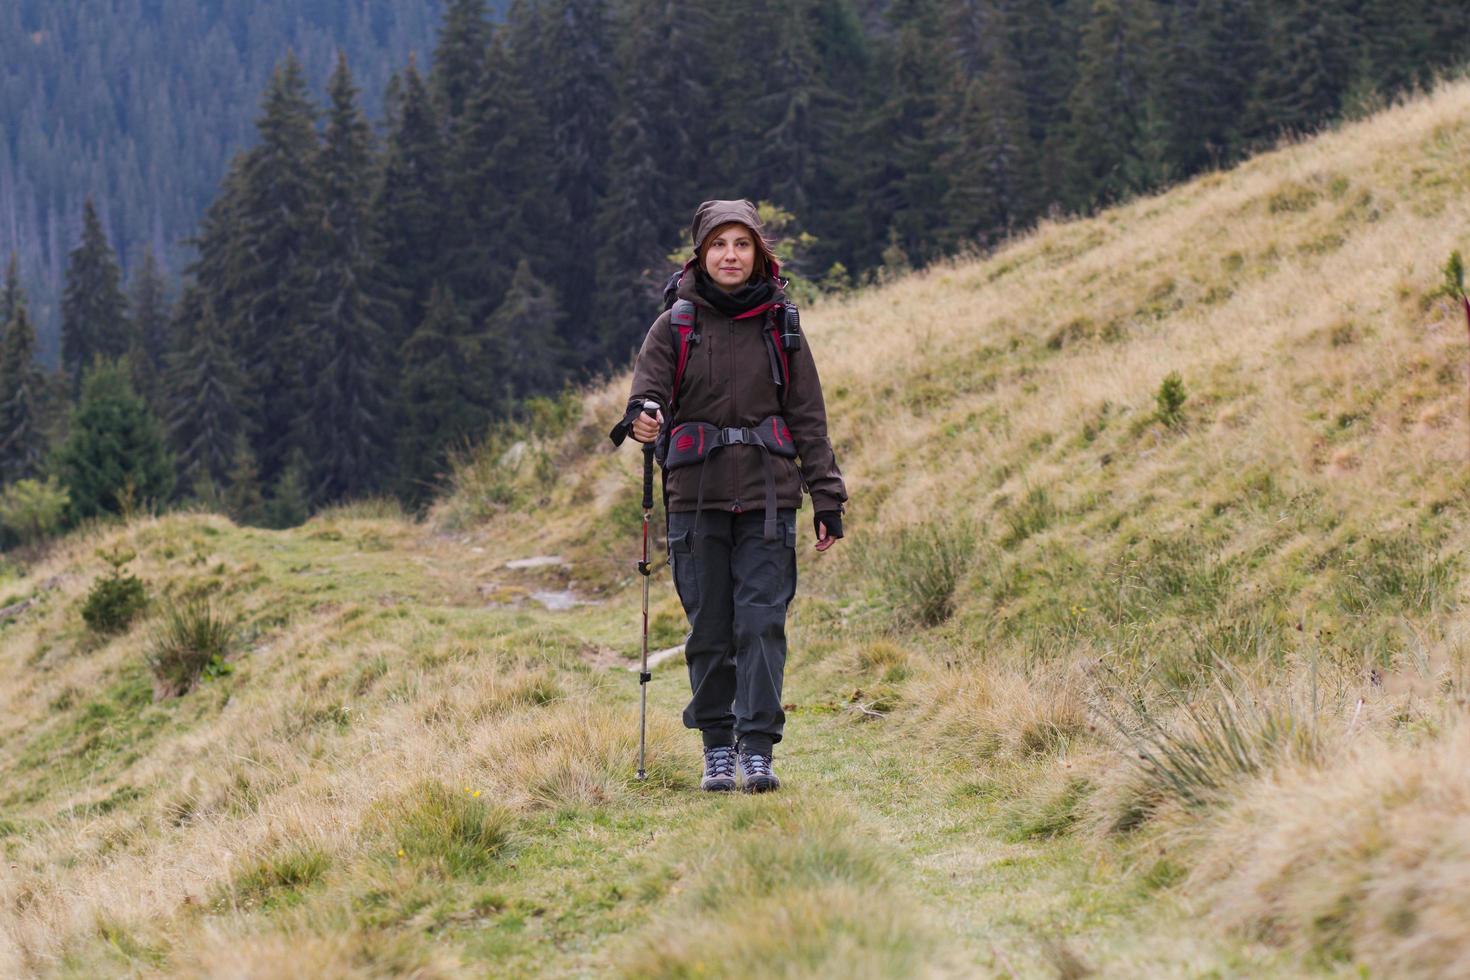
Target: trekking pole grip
(650, 409)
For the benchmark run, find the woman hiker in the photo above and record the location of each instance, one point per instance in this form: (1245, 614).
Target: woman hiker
(745, 432)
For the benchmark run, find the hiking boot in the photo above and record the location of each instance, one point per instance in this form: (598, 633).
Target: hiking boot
(755, 772)
(719, 769)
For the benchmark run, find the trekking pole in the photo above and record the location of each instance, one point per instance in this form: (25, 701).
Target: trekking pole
(650, 409)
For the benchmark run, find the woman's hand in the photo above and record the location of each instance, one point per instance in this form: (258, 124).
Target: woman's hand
(829, 528)
(645, 427)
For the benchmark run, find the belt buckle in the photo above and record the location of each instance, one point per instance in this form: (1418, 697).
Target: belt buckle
(733, 436)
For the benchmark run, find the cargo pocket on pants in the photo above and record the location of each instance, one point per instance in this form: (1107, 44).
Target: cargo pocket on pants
(686, 574)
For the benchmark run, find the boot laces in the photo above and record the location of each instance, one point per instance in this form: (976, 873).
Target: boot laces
(719, 761)
(757, 764)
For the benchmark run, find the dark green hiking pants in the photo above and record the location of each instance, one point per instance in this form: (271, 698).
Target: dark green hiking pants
(735, 587)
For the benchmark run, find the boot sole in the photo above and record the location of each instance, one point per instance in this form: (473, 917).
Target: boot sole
(763, 786)
(721, 786)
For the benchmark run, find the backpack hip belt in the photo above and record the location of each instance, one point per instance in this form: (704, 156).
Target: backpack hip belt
(691, 443)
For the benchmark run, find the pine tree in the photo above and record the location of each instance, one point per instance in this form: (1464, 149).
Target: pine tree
(507, 207)
(345, 424)
(1109, 107)
(992, 165)
(243, 499)
(574, 68)
(1310, 69)
(900, 189)
(149, 342)
(792, 108)
(22, 394)
(658, 155)
(115, 452)
(526, 327)
(290, 503)
(446, 395)
(1213, 52)
(459, 57)
(12, 297)
(203, 387)
(94, 316)
(277, 215)
(411, 207)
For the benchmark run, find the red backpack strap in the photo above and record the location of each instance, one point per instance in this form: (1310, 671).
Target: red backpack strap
(682, 323)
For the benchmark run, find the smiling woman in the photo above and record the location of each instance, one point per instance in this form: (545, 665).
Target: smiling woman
(741, 431)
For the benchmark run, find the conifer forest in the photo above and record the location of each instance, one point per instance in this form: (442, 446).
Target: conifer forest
(482, 205)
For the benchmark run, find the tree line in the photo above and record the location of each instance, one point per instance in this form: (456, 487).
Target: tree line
(363, 298)
(140, 103)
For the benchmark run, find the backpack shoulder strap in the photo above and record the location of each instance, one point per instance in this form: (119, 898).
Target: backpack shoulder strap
(776, 350)
(682, 323)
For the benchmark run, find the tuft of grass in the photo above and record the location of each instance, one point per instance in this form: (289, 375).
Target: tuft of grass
(1050, 815)
(1397, 573)
(1198, 752)
(1035, 513)
(456, 832)
(277, 880)
(191, 643)
(919, 568)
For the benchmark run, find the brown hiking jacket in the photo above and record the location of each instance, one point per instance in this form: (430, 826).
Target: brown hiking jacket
(727, 382)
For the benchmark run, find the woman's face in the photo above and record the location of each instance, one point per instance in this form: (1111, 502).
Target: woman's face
(729, 255)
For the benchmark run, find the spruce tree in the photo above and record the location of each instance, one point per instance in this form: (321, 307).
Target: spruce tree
(526, 328)
(574, 68)
(22, 395)
(411, 208)
(991, 165)
(277, 215)
(290, 502)
(243, 499)
(94, 316)
(1213, 51)
(115, 452)
(900, 189)
(1310, 68)
(203, 386)
(508, 209)
(659, 153)
(148, 304)
(345, 424)
(459, 57)
(447, 393)
(12, 297)
(1109, 122)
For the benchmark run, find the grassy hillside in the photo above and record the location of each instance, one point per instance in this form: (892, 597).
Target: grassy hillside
(1100, 679)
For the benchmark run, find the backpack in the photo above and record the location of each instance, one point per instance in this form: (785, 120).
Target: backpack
(782, 334)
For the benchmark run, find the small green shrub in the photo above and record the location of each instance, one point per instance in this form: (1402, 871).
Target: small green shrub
(115, 600)
(1170, 398)
(919, 568)
(191, 643)
(1454, 277)
(32, 510)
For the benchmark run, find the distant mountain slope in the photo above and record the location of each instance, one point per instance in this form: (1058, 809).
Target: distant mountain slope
(141, 102)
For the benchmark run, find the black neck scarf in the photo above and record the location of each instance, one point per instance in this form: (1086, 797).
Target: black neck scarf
(753, 293)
